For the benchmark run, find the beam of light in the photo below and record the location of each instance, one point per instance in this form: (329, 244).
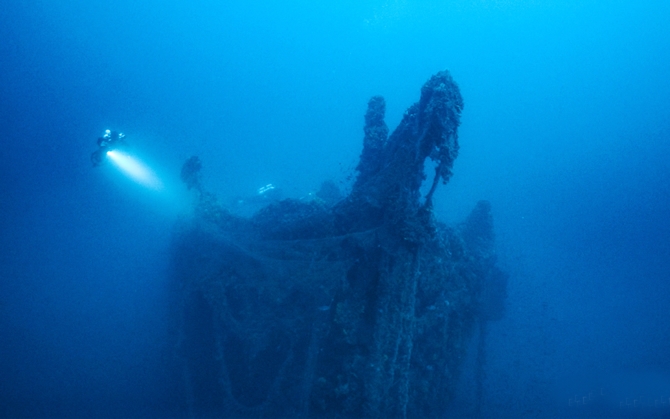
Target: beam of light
(135, 169)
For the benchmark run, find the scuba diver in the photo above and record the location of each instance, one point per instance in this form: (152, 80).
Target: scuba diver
(111, 140)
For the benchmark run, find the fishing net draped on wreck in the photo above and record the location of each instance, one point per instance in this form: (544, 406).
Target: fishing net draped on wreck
(355, 308)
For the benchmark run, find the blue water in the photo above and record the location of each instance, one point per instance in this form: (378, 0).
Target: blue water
(565, 130)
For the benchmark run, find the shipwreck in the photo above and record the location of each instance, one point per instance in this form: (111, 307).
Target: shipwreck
(353, 306)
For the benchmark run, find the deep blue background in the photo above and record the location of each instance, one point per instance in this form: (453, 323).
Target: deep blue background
(566, 131)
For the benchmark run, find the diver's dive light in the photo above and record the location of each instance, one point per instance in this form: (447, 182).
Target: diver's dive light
(135, 169)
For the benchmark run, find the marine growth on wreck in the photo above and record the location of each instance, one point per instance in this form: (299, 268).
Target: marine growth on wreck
(360, 306)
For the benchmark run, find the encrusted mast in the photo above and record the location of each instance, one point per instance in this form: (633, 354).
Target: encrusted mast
(391, 170)
(360, 308)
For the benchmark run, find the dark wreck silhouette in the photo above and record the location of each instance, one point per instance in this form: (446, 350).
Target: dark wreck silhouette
(334, 308)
